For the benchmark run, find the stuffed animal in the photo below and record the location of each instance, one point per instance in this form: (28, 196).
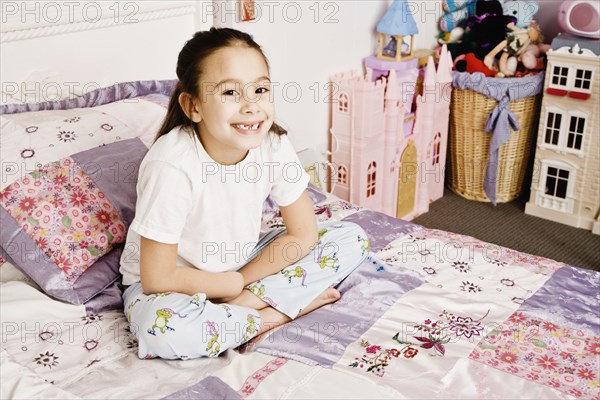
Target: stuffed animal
(455, 11)
(513, 47)
(454, 36)
(532, 58)
(487, 28)
(524, 11)
(484, 30)
(470, 63)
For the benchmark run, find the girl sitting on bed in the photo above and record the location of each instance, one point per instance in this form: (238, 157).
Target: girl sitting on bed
(200, 280)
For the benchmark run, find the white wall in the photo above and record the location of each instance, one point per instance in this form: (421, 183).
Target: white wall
(309, 41)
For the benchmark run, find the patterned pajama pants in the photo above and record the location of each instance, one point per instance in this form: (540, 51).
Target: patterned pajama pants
(178, 326)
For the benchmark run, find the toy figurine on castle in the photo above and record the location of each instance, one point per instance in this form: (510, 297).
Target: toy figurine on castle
(388, 138)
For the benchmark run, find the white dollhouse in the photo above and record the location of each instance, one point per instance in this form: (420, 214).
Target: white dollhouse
(566, 176)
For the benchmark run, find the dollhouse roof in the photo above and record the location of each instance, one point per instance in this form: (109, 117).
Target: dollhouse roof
(398, 20)
(570, 41)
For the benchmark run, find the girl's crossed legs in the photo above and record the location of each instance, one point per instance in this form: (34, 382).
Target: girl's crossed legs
(306, 285)
(178, 326)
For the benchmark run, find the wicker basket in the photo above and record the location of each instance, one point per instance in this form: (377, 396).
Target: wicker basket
(468, 145)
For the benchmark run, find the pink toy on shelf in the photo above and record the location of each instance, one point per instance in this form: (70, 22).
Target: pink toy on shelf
(566, 176)
(580, 17)
(389, 157)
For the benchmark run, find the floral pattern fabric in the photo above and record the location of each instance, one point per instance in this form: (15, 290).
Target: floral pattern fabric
(61, 208)
(432, 337)
(474, 269)
(435, 246)
(253, 381)
(31, 139)
(565, 359)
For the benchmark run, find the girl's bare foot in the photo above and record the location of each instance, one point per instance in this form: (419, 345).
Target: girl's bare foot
(329, 296)
(271, 318)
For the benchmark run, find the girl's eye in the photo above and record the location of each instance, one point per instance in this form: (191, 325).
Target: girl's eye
(262, 90)
(230, 93)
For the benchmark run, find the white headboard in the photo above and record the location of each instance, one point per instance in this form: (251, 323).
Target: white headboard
(52, 50)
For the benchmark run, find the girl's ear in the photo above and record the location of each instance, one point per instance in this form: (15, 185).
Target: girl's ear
(189, 107)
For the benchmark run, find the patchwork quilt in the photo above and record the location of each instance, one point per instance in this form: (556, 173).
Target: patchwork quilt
(429, 314)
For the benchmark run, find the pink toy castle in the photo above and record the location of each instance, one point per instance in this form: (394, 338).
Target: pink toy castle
(388, 158)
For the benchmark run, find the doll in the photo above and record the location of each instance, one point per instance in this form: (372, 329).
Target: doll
(515, 45)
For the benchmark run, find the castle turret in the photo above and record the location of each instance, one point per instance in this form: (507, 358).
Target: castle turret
(396, 32)
(426, 117)
(438, 139)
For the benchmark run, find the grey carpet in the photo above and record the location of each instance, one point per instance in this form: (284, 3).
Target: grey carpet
(507, 225)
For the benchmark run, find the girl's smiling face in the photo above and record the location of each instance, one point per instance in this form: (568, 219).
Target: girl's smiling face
(235, 103)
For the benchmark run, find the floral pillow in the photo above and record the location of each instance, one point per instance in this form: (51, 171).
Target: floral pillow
(61, 222)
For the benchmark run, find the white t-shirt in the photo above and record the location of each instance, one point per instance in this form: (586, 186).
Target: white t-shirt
(212, 211)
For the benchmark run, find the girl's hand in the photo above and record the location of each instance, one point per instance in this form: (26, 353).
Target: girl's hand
(236, 287)
(237, 283)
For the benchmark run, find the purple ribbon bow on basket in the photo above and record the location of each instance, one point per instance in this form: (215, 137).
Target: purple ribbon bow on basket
(501, 119)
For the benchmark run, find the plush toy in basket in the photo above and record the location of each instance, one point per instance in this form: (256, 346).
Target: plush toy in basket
(492, 125)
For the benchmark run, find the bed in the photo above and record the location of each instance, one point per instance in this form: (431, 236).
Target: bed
(429, 314)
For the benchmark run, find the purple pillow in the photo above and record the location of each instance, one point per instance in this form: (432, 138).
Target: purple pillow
(97, 97)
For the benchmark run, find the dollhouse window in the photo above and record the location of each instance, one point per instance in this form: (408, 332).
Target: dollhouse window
(342, 175)
(557, 182)
(556, 185)
(565, 130)
(560, 76)
(343, 103)
(371, 171)
(576, 129)
(553, 123)
(437, 142)
(583, 79)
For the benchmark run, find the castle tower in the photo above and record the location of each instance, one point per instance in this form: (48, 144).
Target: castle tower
(394, 134)
(438, 139)
(368, 142)
(423, 132)
(358, 139)
(341, 124)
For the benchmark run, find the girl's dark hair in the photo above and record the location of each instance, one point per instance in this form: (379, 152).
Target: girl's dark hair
(189, 66)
